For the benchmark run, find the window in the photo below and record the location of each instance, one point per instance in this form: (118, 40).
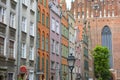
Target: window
(43, 19)
(38, 63)
(31, 76)
(47, 69)
(24, 2)
(43, 64)
(57, 48)
(57, 27)
(31, 28)
(32, 4)
(52, 45)
(10, 76)
(52, 64)
(107, 42)
(113, 13)
(57, 65)
(38, 15)
(85, 52)
(12, 19)
(47, 23)
(43, 41)
(2, 14)
(78, 15)
(45, 3)
(11, 49)
(31, 55)
(24, 25)
(1, 46)
(23, 53)
(41, 1)
(57, 71)
(47, 44)
(53, 24)
(38, 39)
(86, 66)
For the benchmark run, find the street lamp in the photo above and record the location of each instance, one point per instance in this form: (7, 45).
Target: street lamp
(71, 62)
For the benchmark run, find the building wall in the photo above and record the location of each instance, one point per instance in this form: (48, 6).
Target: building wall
(44, 35)
(64, 46)
(108, 14)
(8, 39)
(55, 41)
(27, 38)
(71, 24)
(78, 53)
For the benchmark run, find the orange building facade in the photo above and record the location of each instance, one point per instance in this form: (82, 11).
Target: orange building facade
(43, 67)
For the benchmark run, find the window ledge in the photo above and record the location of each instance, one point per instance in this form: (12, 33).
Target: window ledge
(11, 59)
(2, 57)
(24, 5)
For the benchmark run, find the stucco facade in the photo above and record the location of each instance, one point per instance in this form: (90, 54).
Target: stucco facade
(64, 42)
(44, 40)
(55, 40)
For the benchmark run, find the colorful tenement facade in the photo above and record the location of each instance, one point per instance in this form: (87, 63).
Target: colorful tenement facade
(44, 40)
(55, 40)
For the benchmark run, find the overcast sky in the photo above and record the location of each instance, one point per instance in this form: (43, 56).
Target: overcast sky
(69, 3)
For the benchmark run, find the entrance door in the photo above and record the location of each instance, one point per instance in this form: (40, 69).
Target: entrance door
(1, 77)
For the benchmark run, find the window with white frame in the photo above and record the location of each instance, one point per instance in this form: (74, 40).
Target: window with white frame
(2, 14)
(23, 51)
(1, 46)
(32, 28)
(53, 24)
(24, 2)
(11, 49)
(113, 13)
(57, 27)
(32, 4)
(31, 76)
(12, 19)
(31, 55)
(24, 25)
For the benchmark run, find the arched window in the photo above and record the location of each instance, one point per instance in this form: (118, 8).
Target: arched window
(43, 41)
(107, 41)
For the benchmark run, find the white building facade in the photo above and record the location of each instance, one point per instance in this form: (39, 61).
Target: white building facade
(26, 39)
(17, 39)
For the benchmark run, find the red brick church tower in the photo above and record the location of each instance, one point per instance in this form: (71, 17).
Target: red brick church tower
(104, 19)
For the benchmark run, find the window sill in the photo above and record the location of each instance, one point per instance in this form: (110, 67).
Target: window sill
(24, 5)
(32, 60)
(2, 57)
(11, 58)
(23, 58)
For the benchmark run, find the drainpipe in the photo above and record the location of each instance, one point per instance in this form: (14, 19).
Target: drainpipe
(18, 39)
(36, 54)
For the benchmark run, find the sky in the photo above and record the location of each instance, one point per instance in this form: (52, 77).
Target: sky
(69, 3)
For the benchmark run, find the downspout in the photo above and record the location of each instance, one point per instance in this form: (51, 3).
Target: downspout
(36, 54)
(18, 40)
